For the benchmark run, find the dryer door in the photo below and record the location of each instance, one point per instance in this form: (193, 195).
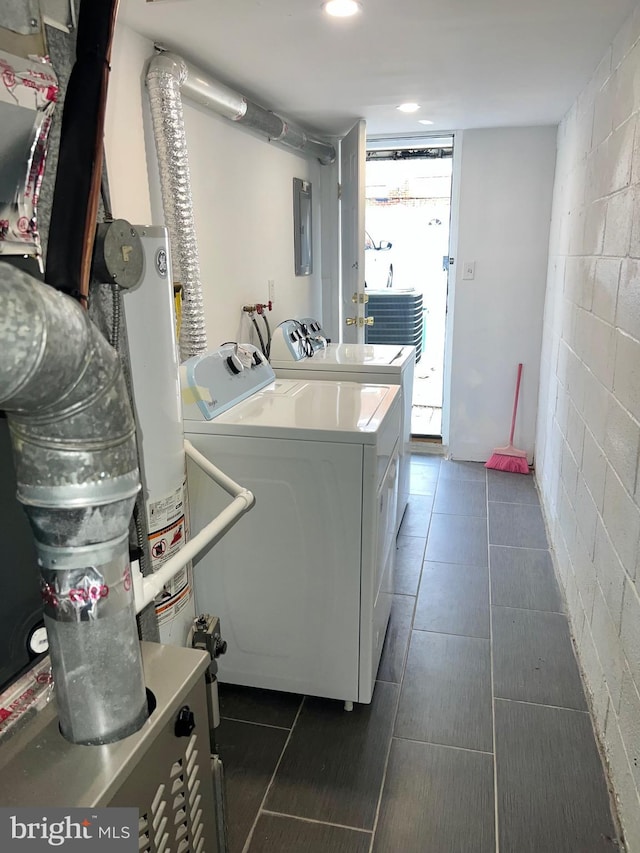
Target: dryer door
(377, 574)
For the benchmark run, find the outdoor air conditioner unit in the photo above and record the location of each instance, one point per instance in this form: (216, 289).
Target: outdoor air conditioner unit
(398, 317)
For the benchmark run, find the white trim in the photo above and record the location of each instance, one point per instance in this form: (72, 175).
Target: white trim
(378, 142)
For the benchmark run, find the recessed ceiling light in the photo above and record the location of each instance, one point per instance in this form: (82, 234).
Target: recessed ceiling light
(424, 121)
(409, 108)
(342, 8)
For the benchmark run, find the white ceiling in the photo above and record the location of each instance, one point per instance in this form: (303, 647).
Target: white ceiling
(469, 63)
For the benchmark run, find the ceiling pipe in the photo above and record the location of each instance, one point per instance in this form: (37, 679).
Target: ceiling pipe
(73, 438)
(200, 87)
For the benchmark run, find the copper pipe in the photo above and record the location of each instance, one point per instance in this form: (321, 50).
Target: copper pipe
(80, 160)
(98, 164)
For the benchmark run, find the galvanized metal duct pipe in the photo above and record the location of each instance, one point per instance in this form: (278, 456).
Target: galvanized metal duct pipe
(200, 87)
(74, 446)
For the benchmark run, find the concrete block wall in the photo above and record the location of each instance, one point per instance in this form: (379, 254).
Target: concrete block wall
(588, 431)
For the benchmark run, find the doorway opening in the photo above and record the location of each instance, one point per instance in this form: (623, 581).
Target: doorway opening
(407, 223)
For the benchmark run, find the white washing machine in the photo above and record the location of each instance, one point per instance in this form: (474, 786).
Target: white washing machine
(303, 583)
(299, 349)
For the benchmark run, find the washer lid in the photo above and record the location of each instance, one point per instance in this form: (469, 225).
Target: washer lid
(349, 356)
(310, 410)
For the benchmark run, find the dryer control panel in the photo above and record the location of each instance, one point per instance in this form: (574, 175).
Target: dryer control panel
(216, 381)
(295, 340)
(314, 332)
(289, 342)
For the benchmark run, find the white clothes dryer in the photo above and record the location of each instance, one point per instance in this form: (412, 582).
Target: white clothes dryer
(300, 350)
(302, 584)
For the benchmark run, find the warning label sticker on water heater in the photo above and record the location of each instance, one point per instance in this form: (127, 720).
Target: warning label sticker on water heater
(164, 543)
(166, 511)
(168, 531)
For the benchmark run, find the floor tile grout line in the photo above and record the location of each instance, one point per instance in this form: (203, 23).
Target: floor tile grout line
(517, 547)
(514, 500)
(541, 705)
(513, 503)
(457, 514)
(313, 820)
(404, 669)
(247, 843)
(450, 634)
(255, 723)
(460, 480)
(388, 755)
(402, 535)
(443, 745)
(424, 557)
(461, 514)
(493, 702)
(463, 565)
(406, 651)
(529, 609)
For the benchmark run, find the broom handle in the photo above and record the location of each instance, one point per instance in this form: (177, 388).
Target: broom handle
(515, 405)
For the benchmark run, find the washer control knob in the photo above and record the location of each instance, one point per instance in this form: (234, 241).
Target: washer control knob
(257, 358)
(234, 364)
(185, 722)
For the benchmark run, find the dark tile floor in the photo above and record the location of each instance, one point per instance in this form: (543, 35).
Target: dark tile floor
(478, 738)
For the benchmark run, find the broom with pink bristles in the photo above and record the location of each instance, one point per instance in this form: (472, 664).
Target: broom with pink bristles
(509, 458)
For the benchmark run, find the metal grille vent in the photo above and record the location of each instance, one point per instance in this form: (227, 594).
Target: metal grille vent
(175, 825)
(144, 840)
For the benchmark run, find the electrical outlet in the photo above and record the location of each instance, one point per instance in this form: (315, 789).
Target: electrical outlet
(272, 290)
(469, 270)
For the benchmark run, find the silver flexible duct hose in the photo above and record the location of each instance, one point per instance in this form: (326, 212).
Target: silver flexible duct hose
(164, 78)
(168, 76)
(73, 438)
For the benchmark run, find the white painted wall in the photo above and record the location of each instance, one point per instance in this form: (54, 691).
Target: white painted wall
(243, 204)
(243, 199)
(589, 413)
(505, 181)
(125, 144)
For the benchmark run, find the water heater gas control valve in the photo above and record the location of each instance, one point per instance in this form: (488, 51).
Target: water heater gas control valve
(206, 636)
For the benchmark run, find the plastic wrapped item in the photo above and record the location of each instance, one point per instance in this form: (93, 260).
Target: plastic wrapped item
(22, 700)
(28, 94)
